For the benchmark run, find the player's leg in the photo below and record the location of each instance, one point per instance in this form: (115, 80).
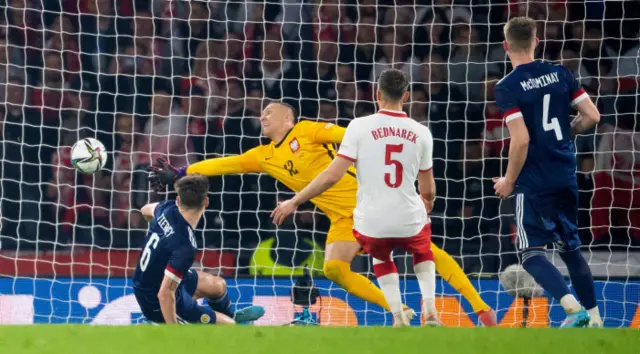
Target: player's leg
(214, 290)
(189, 312)
(425, 269)
(389, 280)
(532, 240)
(569, 249)
(451, 272)
(341, 248)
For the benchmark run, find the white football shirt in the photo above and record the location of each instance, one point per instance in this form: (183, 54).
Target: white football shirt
(388, 150)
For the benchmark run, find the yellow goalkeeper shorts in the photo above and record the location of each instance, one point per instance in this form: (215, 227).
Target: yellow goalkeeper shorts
(341, 230)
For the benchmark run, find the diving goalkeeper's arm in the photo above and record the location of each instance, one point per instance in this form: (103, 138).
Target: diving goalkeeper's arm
(163, 174)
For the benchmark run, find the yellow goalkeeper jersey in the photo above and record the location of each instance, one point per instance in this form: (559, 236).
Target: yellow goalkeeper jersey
(306, 150)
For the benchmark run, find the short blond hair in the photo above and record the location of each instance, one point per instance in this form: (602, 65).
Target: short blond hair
(520, 33)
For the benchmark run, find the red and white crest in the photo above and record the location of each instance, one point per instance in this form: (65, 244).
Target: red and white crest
(294, 145)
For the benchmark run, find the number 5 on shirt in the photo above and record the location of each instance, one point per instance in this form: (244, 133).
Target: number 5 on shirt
(388, 160)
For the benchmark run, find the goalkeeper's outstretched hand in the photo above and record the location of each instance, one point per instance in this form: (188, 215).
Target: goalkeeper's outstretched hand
(163, 174)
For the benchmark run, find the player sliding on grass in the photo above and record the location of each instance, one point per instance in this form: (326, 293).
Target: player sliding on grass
(298, 152)
(164, 285)
(389, 213)
(536, 98)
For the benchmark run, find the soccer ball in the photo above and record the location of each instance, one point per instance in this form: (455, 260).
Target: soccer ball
(88, 155)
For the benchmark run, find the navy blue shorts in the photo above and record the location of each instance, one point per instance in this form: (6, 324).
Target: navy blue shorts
(187, 308)
(543, 219)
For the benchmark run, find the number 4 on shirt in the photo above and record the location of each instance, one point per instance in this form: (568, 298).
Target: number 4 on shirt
(388, 160)
(549, 124)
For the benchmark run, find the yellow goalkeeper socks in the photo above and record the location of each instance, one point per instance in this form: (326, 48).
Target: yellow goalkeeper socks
(340, 273)
(449, 269)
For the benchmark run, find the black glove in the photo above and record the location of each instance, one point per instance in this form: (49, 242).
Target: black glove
(162, 174)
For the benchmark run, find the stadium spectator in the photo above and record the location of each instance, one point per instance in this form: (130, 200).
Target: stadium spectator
(48, 95)
(21, 170)
(62, 40)
(276, 73)
(153, 50)
(325, 53)
(432, 35)
(98, 38)
(496, 134)
(78, 104)
(123, 214)
(165, 134)
(417, 105)
(9, 66)
(395, 54)
(467, 63)
(331, 22)
(352, 102)
(615, 205)
(363, 55)
(198, 28)
(79, 199)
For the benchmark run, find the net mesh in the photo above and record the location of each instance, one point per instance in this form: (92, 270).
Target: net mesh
(187, 80)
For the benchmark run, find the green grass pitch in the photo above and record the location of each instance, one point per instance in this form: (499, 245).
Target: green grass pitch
(68, 339)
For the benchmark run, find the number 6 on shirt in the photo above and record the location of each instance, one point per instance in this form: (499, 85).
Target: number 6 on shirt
(390, 149)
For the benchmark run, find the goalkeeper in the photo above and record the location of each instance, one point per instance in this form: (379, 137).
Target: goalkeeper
(298, 152)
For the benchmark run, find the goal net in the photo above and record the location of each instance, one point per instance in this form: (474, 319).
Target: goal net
(187, 80)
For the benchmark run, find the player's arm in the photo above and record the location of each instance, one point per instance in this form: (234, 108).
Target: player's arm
(163, 174)
(588, 115)
(179, 263)
(518, 144)
(518, 148)
(346, 156)
(167, 298)
(148, 211)
(426, 182)
(324, 133)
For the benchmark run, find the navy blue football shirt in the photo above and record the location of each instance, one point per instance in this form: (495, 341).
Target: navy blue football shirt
(542, 94)
(170, 249)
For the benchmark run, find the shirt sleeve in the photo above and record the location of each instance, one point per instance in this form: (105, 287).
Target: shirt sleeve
(245, 163)
(349, 146)
(426, 163)
(324, 133)
(506, 100)
(180, 261)
(577, 92)
(160, 207)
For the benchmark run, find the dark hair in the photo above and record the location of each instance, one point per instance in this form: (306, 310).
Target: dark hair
(294, 112)
(393, 83)
(520, 33)
(192, 191)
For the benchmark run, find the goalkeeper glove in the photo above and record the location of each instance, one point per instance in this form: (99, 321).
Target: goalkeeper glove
(163, 174)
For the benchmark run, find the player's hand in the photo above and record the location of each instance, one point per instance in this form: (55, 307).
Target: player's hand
(283, 210)
(502, 186)
(428, 204)
(163, 174)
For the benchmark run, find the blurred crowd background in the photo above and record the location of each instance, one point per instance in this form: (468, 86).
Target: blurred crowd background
(186, 80)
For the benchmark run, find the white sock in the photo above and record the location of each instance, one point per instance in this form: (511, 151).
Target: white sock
(426, 274)
(594, 313)
(390, 286)
(570, 304)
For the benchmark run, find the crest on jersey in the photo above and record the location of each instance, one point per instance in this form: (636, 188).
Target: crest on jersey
(294, 145)
(205, 318)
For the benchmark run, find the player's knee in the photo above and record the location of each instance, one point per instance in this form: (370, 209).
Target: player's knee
(211, 286)
(334, 269)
